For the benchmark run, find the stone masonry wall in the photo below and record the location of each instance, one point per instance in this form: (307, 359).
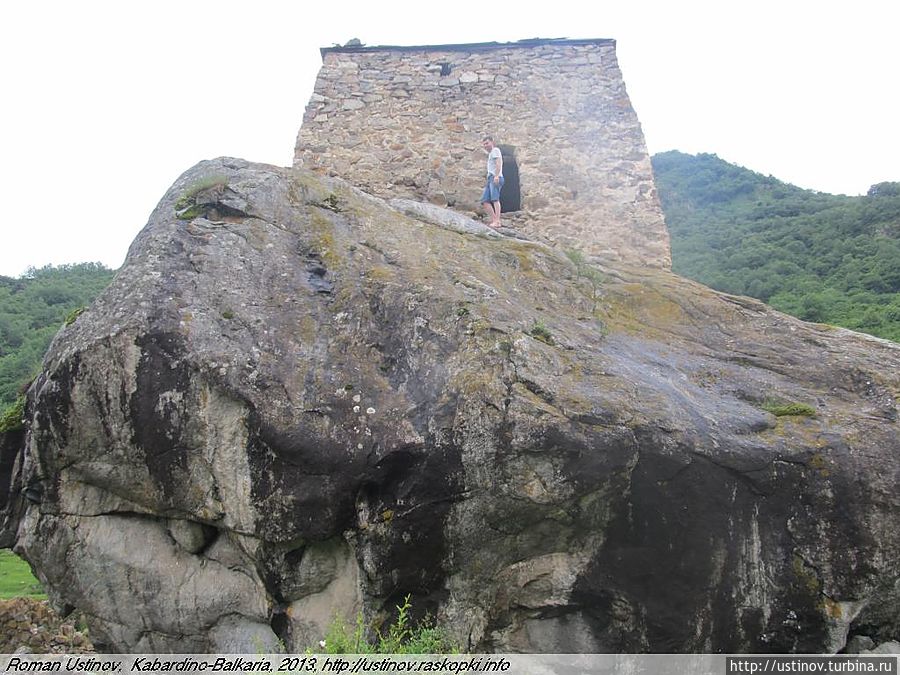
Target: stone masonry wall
(408, 121)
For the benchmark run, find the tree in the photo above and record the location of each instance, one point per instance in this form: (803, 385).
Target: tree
(821, 257)
(32, 309)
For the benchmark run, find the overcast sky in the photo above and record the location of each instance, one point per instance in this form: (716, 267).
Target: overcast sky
(106, 103)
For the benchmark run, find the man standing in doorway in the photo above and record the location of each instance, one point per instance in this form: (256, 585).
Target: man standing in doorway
(491, 195)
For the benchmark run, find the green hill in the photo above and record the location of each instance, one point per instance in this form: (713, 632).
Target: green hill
(821, 257)
(32, 308)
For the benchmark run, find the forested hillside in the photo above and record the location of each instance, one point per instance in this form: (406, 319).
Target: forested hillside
(821, 257)
(32, 309)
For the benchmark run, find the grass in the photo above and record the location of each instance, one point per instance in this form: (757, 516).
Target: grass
(401, 637)
(540, 332)
(585, 270)
(16, 579)
(186, 208)
(203, 184)
(331, 203)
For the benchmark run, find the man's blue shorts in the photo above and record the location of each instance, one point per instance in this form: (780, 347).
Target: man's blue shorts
(492, 190)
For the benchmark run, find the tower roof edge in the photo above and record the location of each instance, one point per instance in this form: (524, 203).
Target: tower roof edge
(468, 47)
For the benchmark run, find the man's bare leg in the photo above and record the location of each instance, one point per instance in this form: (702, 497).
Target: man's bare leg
(489, 208)
(497, 217)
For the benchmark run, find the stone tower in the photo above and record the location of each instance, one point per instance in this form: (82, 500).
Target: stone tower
(408, 122)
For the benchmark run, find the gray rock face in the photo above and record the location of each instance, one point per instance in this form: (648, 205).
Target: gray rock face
(446, 218)
(295, 402)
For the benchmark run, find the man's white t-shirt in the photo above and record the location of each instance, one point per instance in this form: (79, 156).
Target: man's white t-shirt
(491, 167)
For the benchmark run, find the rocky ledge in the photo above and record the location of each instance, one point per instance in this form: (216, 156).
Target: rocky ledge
(295, 401)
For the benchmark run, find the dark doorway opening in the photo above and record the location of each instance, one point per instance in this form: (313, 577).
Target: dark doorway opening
(511, 196)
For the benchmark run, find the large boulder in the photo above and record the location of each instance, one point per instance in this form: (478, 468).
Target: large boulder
(296, 402)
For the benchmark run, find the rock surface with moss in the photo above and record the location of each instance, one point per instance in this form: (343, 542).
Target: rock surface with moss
(298, 401)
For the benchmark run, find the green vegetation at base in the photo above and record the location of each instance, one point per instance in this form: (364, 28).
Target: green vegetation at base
(16, 579)
(401, 637)
(32, 309)
(820, 257)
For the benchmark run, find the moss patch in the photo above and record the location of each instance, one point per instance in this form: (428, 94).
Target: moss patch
(641, 308)
(12, 418)
(73, 315)
(323, 241)
(820, 464)
(788, 408)
(806, 576)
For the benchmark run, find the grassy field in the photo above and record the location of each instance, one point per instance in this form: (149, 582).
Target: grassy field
(16, 579)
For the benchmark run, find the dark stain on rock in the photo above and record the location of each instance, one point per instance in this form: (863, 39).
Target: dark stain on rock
(52, 425)
(56, 395)
(276, 566)
(678, 571)
(317, 274)
(281, 623)
(12, 445)
(302, 483)
(158, 411)
(407, 497)
(650, 581)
